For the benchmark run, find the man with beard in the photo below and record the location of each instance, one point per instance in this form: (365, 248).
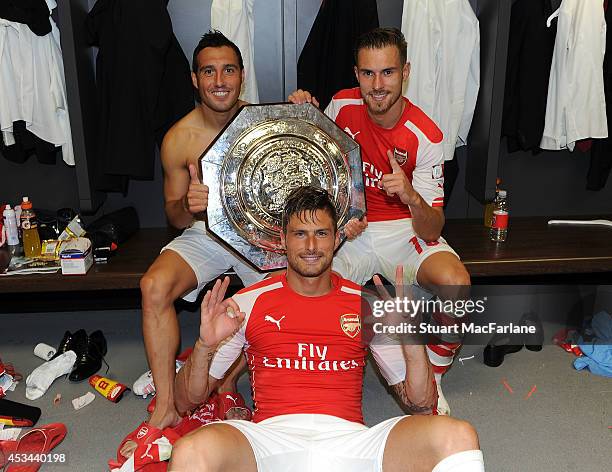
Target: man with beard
(301, 334)
(403, 172)
(193, 259)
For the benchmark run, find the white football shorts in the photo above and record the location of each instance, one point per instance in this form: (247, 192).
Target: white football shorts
(315, 443)
(209, 259)
(381, 248)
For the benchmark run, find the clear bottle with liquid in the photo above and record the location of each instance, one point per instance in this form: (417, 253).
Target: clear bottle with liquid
(29, 230)
(488, 211)
(10, 223)
(18, 217)
(499, 223)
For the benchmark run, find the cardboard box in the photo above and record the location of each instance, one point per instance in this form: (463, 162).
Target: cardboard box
(76, 256)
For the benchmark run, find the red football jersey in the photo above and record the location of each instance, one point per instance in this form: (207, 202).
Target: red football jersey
(305, 354)
(415, 140)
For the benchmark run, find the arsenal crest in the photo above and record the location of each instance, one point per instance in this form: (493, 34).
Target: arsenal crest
(401, 156)
(350, 324)
(142, 432)
(437, 172)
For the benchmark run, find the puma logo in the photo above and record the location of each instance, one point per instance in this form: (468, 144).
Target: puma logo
(232, 398)
(272, 320)
(353, 135)
(146, 454)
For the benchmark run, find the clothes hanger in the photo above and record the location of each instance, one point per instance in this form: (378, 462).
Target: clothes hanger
(601, 222)
(552, 17)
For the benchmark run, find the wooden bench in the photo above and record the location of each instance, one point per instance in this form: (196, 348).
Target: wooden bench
(122, 272)
(533, 249)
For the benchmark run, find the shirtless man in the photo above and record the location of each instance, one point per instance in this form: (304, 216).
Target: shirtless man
(302, 333)
(193, 259)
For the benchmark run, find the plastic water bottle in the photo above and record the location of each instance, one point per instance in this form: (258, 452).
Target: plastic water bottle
(18, 217)
(10, 223)
(29, 230)
(499, 225)
(488, 212)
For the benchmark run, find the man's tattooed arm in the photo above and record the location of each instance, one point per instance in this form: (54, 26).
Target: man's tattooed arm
(412, 408)
(193, 384)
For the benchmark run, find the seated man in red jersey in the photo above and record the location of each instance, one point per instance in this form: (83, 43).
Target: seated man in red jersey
(403, 162)
(301, 335)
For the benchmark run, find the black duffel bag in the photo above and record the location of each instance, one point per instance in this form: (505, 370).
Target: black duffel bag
(115, 227)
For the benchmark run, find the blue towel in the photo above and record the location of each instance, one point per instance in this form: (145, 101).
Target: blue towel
(598, 352)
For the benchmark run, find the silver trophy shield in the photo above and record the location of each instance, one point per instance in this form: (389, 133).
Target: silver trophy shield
(261, 155)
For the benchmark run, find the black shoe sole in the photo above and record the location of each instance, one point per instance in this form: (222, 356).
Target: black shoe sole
(534, 347)
(494, 355)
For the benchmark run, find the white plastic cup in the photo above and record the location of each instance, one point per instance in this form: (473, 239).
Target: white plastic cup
(44, 351)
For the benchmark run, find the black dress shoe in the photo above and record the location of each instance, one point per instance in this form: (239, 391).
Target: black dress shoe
(64, 345)
(90, 354)
(69, 341)
(533, 341)
(503, 344)
(499, 346)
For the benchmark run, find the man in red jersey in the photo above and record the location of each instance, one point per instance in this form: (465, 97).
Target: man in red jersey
(302, 338)
(403, 172)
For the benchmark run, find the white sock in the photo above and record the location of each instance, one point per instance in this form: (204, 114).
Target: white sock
(39, 381)
(443, 406)
(466, 461)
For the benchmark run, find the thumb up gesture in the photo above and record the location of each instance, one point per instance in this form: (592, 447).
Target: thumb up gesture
(196, 200)
(397, 183)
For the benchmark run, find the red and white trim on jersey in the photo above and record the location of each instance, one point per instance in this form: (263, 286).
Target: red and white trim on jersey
(305, 354)
(415, 139)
